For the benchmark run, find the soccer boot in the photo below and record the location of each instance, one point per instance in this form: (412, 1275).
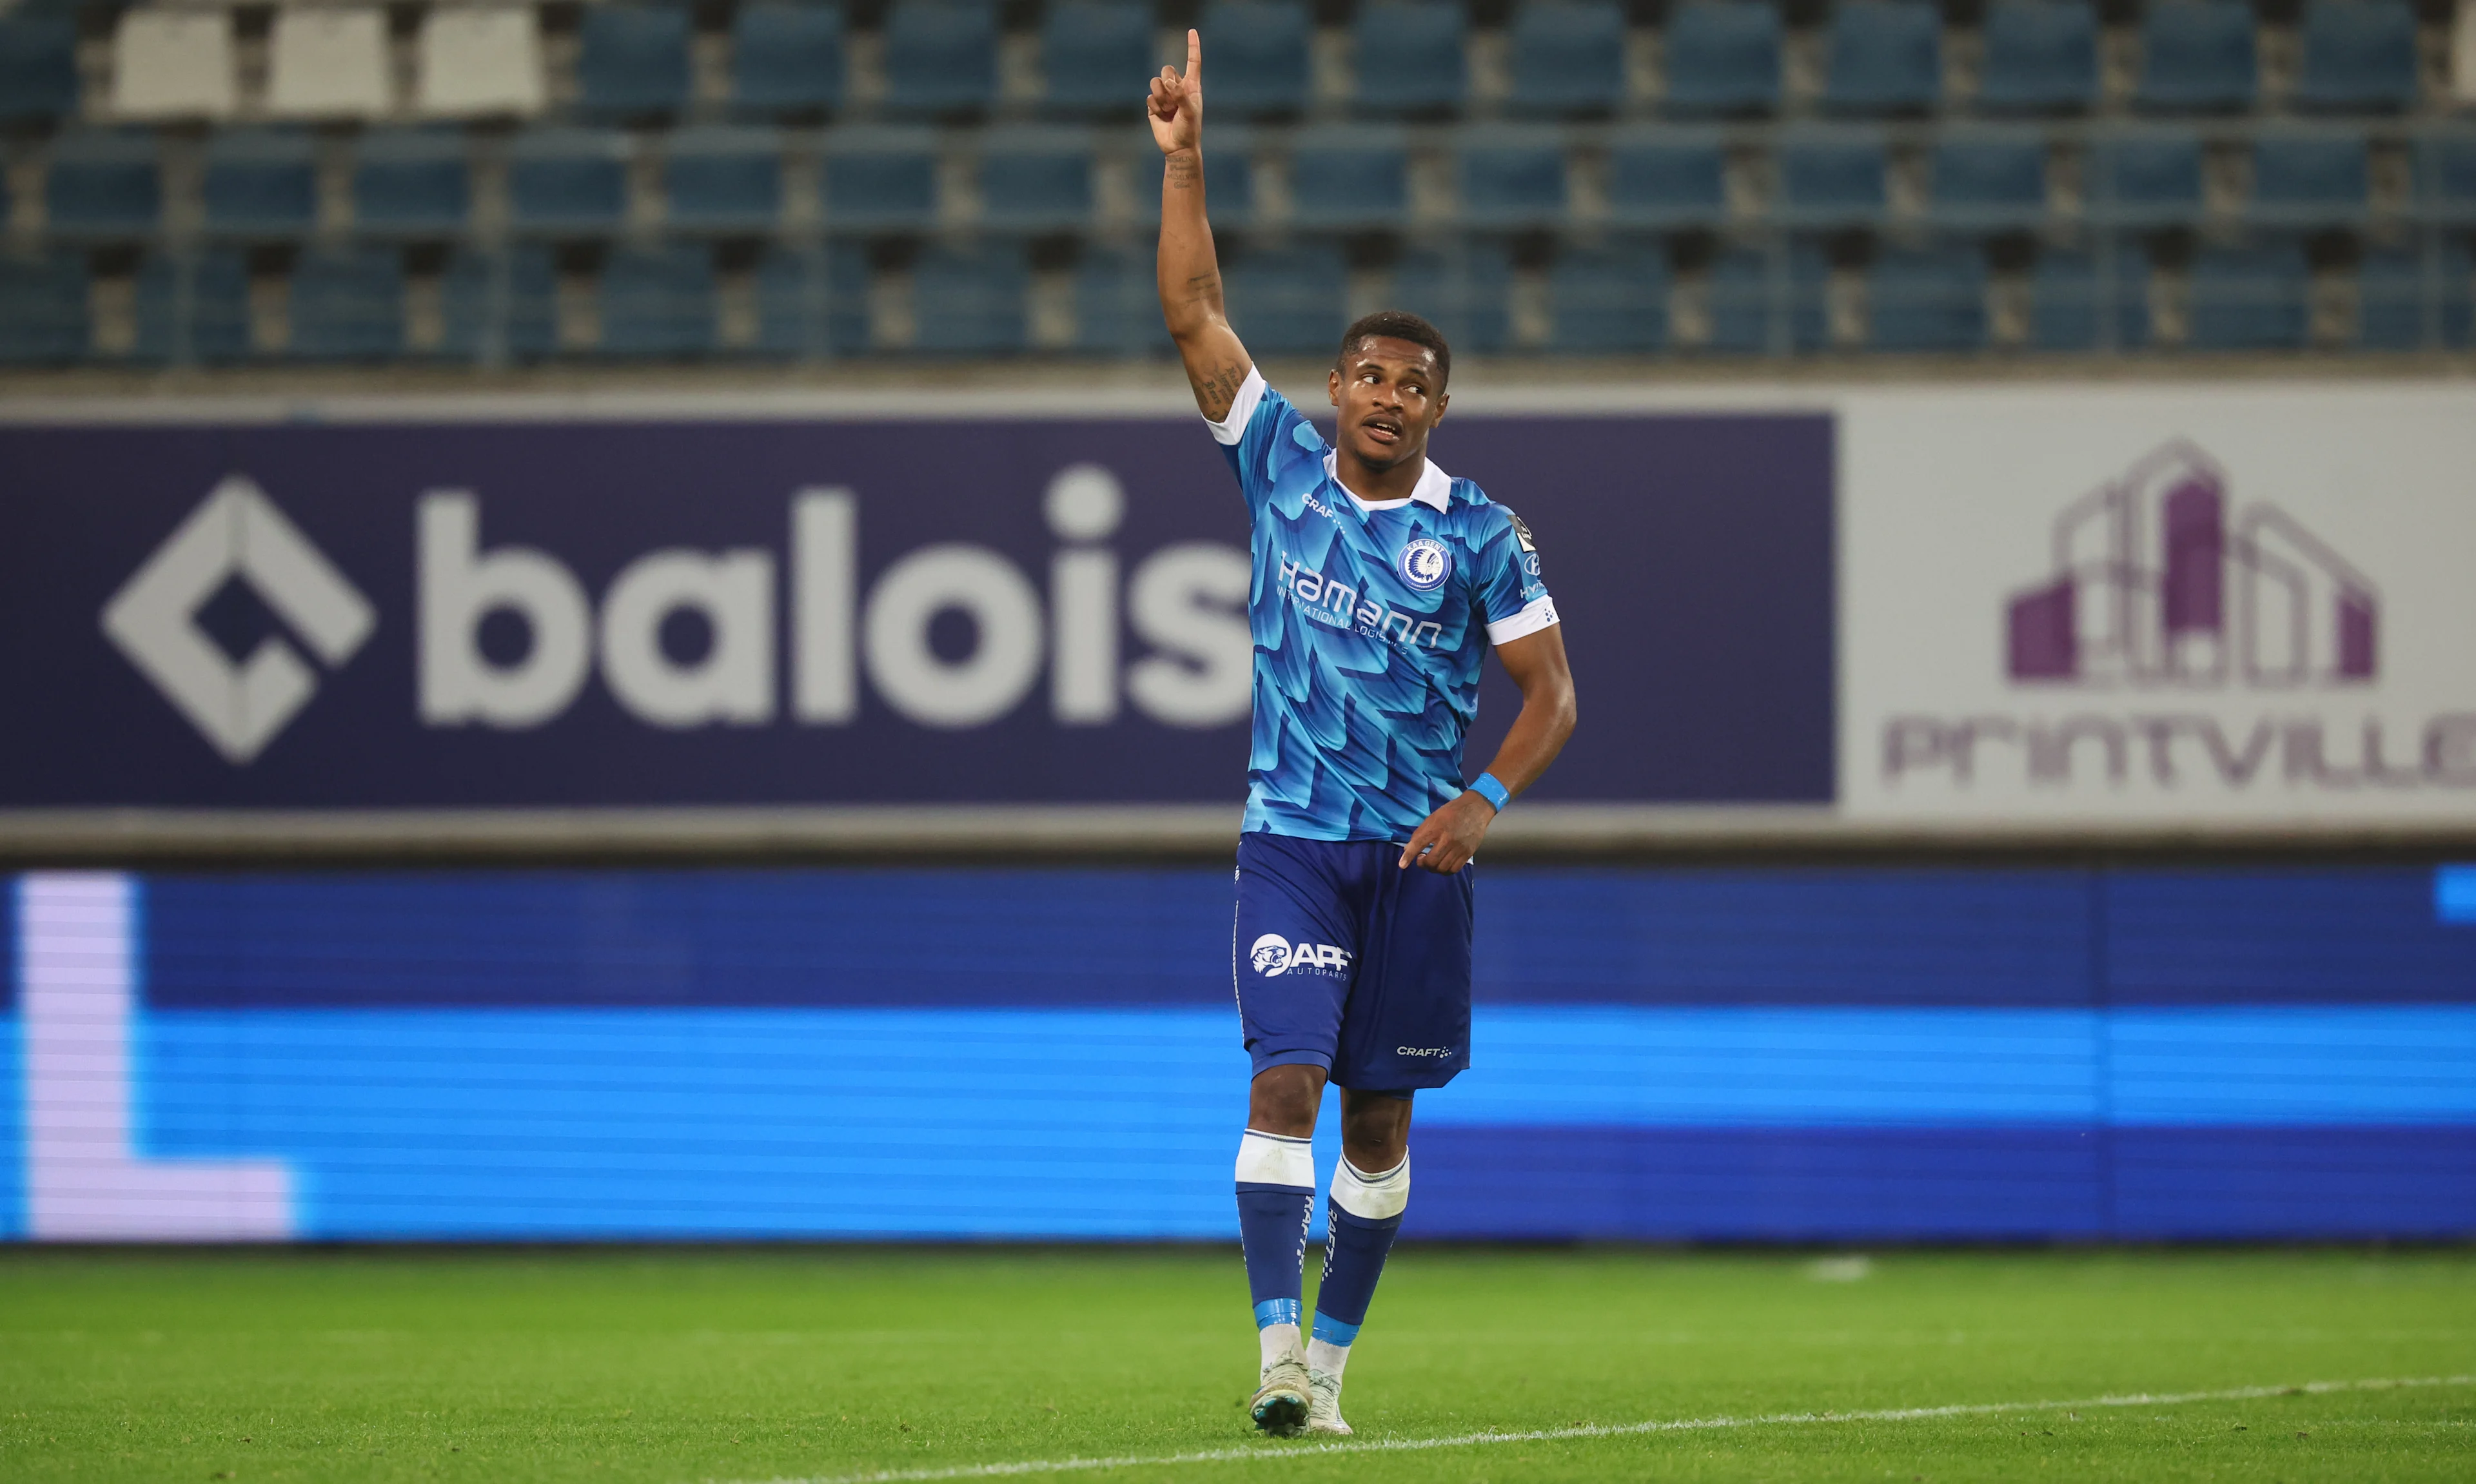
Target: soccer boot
(1324, 1405)
(1280, 1405)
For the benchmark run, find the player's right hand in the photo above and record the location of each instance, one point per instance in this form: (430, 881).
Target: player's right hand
(1176, 108)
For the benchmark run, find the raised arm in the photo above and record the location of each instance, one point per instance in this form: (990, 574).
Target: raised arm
(1190, 272)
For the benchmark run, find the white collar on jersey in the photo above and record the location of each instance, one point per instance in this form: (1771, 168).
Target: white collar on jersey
(1435, 487)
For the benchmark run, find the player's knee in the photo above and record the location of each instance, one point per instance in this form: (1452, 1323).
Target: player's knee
(1283, 1100)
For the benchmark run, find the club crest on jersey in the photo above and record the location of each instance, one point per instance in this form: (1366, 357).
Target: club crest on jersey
(1426, 563)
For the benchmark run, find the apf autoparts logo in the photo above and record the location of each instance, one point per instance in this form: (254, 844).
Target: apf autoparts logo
(2159, 581)
(237, 535)
(1274, 955)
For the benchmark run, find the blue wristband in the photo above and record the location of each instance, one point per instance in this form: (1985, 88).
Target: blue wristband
(1486, 786)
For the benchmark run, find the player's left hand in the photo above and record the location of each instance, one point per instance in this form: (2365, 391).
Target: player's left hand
(1450, 838)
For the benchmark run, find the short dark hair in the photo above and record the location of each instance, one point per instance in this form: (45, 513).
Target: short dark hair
(1400, 325)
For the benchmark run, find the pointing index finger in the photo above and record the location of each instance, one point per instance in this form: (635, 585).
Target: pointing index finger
(1194, 57)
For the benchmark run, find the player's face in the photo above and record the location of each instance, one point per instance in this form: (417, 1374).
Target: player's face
(1390, 400)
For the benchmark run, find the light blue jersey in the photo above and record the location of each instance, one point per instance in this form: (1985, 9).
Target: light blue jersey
(1370, 622)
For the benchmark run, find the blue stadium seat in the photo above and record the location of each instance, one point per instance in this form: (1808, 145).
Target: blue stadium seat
(1037, 179)
(1568, 57)
(2446, 176)
(44, 310)
(1410, 58)
(38, 78)
(2409, 301)
(1886, 57)
(1808, 292)
(632, 59)
(813, 304)
(1723, 57)
(723, 179)
(2359, 54)
(970, 301)
(2041, 57)
(347, 304)
(2072, 293)
(1830, 178)
(413, 183)
(1096, 57)
(1737, 291)
(1228, 179)
(1343, 179)
(2146, 180)
(514, 295)
(1926, 299)
(2310, 181)
(786, 58)
(1288, 302)
(1511, 179)
(658, 301)
(1667, 178)
(2197, 55)
(2249, 298)
(261, 182)
(568, 180)
(1462, 289)
(879, 180)
(218, 322)
(1259, 56)
(1609, 301)
(941, 57)
(1117, 305)
(1988, 182)
(103, 183)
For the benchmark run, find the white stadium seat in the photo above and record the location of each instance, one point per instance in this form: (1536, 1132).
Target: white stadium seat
(329, 63)
(480, 58)
(169, 64)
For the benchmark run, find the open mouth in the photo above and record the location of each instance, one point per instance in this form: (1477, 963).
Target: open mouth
(1382, 430)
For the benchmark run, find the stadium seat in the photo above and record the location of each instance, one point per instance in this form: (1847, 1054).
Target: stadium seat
(2446, 176)
(261, 182)
(1988, 182)
(1346, 179)
(569, 181)
(1228, 179)
(969, 302)
(2310, 181)
(1723, 57)
(879, 180)
(1737, 291)
(1096, 57)
(632, 61)
(219, 320)
(2409, 301)
(1926, 299)
(657, 302)
(1117, 305)
(1259, 56)
(1808, 296)
(2249, 298)
(2041, 57)
(329, 63)
(1463, 290)
(1036, 180)
(2072, 294)
(786, 59)
(507, 299)
(1828, 179)
(413, 183)
(1569, 56)
(2146, 180)
(1410, 58)
(1886, 57)
(172, 63)
(941, 57)
(812, 304)
(723, 179)
(1608, 301)
(1511, 179)
(1667, 178)
(347, 304)
(38, 78)
(2197, 55)
(103, 183)
(1288, 302)
(2359, 54)
(43, 316)
(478, 61)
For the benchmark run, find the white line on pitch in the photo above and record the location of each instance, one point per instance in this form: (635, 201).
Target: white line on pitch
(1263, 1453)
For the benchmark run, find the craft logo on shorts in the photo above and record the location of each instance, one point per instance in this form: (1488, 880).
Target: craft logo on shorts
(1274, 955)
(1425, 564)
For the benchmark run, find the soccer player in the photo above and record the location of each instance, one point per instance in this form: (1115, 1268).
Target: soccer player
(1379, 579)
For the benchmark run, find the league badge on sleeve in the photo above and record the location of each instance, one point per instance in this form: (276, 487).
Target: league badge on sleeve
(1426, 563)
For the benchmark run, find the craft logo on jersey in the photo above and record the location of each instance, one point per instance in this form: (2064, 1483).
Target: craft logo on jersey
(1426, 563)
(2159, 581)
(1274, 955)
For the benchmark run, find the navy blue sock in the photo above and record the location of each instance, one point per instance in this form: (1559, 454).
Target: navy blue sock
(1364, 1213)
(1275, 1195)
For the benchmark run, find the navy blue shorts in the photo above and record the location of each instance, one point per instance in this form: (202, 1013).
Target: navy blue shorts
(1347, 961)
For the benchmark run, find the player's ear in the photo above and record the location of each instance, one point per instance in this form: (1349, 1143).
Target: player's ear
(1444, 399)
(1332, 385)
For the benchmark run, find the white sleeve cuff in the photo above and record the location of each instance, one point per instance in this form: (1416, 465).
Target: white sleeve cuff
(1242, 411)
(1539, 614)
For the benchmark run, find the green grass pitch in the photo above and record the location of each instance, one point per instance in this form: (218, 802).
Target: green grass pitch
(676, 1366)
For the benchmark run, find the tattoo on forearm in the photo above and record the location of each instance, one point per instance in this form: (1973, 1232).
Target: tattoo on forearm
(1181, 172)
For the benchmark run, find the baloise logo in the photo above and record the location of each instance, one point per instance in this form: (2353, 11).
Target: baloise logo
(237, 535)
(1274, 955)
